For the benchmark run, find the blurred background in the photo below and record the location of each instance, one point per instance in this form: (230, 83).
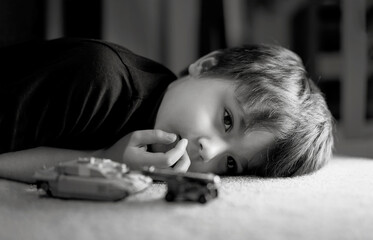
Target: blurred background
(333, 37)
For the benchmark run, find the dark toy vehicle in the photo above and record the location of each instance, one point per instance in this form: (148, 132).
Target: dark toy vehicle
(189, 186)
(91, 178)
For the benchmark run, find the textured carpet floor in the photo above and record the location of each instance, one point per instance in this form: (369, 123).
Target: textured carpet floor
(334, 203)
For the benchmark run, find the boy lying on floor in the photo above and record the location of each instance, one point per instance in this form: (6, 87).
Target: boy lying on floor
(244, 110)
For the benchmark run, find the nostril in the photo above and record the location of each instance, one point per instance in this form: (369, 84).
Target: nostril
(200, 146)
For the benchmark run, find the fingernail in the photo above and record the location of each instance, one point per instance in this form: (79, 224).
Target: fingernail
(184, 141)
(172, 137)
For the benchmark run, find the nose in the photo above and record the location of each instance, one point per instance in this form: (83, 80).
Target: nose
(211, 148)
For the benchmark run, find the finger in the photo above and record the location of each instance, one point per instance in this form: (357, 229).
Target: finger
(174, 154)
(164, 160)
(152, 136)
(183, 164)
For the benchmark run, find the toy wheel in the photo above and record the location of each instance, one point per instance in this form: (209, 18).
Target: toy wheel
(170, 197)
(216, 192)
(45, 187)
(202, 199)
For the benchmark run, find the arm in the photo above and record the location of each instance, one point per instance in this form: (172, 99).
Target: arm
(21, 165)
(131, 150)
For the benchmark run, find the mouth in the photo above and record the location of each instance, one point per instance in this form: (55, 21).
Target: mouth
(178, 138)
(172, 145)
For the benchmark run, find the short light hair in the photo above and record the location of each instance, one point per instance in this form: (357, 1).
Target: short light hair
(277, 95)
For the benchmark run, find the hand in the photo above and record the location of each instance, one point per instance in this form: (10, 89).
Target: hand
(132, 150)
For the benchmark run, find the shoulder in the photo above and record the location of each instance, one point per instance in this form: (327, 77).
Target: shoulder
(145, 76)
(113, 65)
(109, 54)
(130, 58)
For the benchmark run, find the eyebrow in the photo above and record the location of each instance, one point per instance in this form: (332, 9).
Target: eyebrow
(253, 119)
(243, 127)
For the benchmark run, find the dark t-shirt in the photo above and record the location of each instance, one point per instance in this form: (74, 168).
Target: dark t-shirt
(76, 93)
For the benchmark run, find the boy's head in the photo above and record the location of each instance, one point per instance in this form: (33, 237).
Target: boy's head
(249, 109)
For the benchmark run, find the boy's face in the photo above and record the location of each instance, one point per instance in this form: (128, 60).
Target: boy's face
(206, 112)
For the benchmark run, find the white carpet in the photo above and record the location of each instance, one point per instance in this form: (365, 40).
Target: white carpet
(334, 203)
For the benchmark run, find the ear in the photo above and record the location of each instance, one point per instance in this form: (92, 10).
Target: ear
(204, 63)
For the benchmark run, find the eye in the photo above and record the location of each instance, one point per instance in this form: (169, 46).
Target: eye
(227, 120)
(231, 165)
